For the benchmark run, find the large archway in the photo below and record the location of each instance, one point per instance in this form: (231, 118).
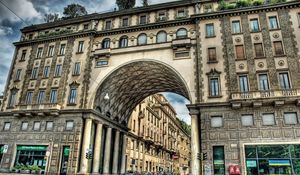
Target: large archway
(129, 84)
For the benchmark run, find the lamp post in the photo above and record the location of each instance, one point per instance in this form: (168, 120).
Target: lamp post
(107, 98)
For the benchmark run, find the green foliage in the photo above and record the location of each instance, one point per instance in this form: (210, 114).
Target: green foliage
(74, 10)
(54, 33)
(277, 1)
(257, 2)
(145, 3)
(242, 3)
(223, 5)
(49, 17)
(125, 4)
(184, 126)
(35, 168)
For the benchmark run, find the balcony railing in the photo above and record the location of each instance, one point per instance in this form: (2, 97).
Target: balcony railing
(265, 94)
(37, 107)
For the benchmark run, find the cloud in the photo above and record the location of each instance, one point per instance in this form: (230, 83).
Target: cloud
(5, 30)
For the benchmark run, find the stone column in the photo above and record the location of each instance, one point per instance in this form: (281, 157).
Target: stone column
(123, 165)
(116, 153)
(195, 142)
(97, 148)
(107, 151)
(85, 145)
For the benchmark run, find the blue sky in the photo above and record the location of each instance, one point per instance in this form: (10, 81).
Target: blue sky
(32, 12)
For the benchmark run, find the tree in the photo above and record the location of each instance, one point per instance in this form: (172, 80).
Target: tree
(125, 4)
(145, 3)
(74, 10)
(51, 17)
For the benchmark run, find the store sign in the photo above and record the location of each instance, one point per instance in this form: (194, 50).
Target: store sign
(32, 148)
(251, 163)
(279, 162)
(218, 162)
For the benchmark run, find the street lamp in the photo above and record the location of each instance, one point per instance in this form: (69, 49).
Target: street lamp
(106, 98)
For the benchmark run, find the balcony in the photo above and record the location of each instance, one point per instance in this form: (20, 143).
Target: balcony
(37, 109)
(265, 94)
(101, 53)
(181, 42)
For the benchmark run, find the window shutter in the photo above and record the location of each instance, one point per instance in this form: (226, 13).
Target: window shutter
(240, 52)
(278, 48)
(259, 50)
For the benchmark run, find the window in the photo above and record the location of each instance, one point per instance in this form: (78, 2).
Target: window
(85, 26)
(290, 118)
(216, 121)
(123, 42)
(102, 63)
(76, 68)
(254, 25)
(46, 71)
(181, 13)
(181, 33)
(161, 37)
(268, 119)
(12, 98)
(143, 19)
(73, 95)
(263, 82)
(162, 16)
(50, 51)
(53, 96)
(36, 126)
(80, 46)
(49, 125)
(284, 80)
(259, 52)
(62, 49)
(106, 43)
(212, 55)
(142, 39)
(278, 48)
(30, 36)
(125, 22)
(108, 25)
(28, 99)
(244, 83)
(273, 22)
(214, 87)
(240, 55)
(219, 160)
(236, 27)
(69, 125)
(210, 31)
(24, 126)
(18, 75)
(58, 70)
(247, 120)
(34, 73)
(23, 55)
(6, 126)
(41, 97)
(39, 52)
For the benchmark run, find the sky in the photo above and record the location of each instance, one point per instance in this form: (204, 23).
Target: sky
(32, 12)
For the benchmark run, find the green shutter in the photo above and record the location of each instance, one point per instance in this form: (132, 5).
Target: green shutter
(66, 151)
(1, 149)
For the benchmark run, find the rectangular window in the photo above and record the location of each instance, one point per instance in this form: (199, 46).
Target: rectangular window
(41, 97)
(214, 87)
(49, 125)
(263, 82)
(23, 55)
(162, 16)
(284, 80)
(12, 99)
(268, 119)
(80, 46)
(62, 49)
(243, 81)
(6, 126)
(219, 160)
(58, 70)
(278, 48)
(108, 25)
(28, 99)
(69, 125)
(290, 118)
(39, 52)
(72, 95)
(273, 22)
(85, 26)
(34, 73)
(216, 121)
(247, 120)
(76, 68)
(236, 27)
(46, 71)
(102, 63)
(240, 54)
(210, 31)
(180, 13)
(125, 22)
(254, 25)
(53, 96)
(259, 51)
(18, 75)
(212, 55)
(36, 126)
(143, 19)
(24, 126)
(50, 51)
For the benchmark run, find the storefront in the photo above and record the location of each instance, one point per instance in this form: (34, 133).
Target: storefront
(272, 159)
(31, 155)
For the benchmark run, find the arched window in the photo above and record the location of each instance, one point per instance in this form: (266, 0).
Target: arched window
(142, 39)
(123, 42)
(181, 33)
(161, 37)
(106, 43)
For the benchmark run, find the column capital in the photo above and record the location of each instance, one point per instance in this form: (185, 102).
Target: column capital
(194, 110)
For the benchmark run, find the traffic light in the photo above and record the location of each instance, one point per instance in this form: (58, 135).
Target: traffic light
(202, 156)
(89, 154)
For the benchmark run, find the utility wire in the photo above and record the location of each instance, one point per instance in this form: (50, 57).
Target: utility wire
(14, 13)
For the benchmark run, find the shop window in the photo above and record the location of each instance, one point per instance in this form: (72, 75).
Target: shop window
(254, 25)
(268, 119)
(243, 82)
(259, 51)
(46, 71)
(236, 27)
(273, 22)
(263, 82)
(50, 51)
(284, 81)
(49, 125)
(247, 120)
(80, 46)
(161, 37)
(41, 97)
(24, 126)
(106, 43)
(210, 31)
(18, 75)
(278, 48)
(142, 39)
(219, 160)
(28, 99)
(216, 121)
(62, 49)
(36, 126)
(290, 118)
(240, 53)
(6, 126)
(69, 125)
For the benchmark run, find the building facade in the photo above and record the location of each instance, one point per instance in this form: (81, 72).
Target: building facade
(156, 141)
(74, 83)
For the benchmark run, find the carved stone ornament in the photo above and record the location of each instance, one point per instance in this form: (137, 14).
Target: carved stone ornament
(238, 39)
(31, 84)
(151, 35)
(37, 63)
(60, 60)
(44, 83)
(276, 35)
(261, 65)
(242, 66)
(55, 82)
(48, 61)
(281, 63)
(256, 37)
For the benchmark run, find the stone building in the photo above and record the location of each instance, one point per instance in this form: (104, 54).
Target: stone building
(74, 83)
(156, 141)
